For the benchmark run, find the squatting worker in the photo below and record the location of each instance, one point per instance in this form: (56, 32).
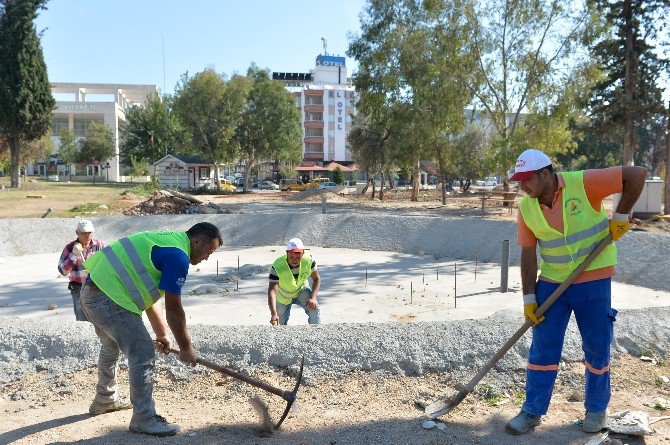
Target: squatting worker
(70, 263)
(125, 279)
(289, 285)
(563, 213)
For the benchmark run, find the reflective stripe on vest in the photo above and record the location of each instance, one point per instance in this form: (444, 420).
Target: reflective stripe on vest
(289, 286)
(584, 227)
(124, 270)
(128, 282)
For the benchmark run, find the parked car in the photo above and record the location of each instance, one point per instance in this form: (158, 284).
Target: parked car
(318, 181)
(52, 178)
(268, 185)
(488, 182)
(289, 185)
(227, 186)
(327, 185)
(239, 182)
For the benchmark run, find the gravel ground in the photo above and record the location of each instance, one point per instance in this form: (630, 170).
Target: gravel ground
(394, 349)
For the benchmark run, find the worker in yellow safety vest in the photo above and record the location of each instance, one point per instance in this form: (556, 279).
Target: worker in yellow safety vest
(125, 280)
(289, 285)
(563, 214)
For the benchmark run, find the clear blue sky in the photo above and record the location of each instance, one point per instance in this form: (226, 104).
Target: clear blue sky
(121, 41)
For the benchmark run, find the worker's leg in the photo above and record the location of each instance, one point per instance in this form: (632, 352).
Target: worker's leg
(313, 317)
(595, 318)
(129, 333)
(105, 390)
(283, 312)
(545, 351)
(75, 290)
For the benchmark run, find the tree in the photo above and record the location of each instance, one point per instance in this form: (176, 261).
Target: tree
(98, 145)
(367, 141)
(67, 150)
(530, 55)
(210, 109)
(270, 125)
(26, 102)
(629, 96)
(412, 56)
(151, 130)
(338, 176)
(138, 166)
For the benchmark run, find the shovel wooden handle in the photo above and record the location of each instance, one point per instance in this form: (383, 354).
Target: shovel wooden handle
(446, 404)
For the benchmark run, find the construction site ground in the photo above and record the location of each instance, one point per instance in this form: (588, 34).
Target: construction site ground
(387, 343)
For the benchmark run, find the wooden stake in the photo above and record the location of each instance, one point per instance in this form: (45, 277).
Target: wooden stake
(366, 277)
(437, 271)
(454, 285)
(217, 268)
(411, 292)
(476, 261)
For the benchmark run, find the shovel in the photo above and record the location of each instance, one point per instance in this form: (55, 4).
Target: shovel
(448, 403)
(289, 396)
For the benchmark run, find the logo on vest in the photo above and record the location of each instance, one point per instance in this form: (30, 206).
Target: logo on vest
(573, 206)
(181, 281)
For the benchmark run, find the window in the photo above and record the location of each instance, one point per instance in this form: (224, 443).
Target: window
(313, 117)
(81, 124)
(203, 172)
(57, 124)
(313, 148)
(313, 100)
(314, 132)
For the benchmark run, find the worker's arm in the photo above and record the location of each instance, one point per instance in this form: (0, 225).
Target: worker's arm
(176, 319)
(155, 316)
(316, 284)
(272, 302)
(633, 182)
(528, 281)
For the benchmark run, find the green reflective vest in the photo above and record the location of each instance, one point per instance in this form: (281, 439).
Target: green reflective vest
(124, 271)
(289, 286)
(583, 229)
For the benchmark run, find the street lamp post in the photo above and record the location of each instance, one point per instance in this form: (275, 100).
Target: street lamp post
(107, 168)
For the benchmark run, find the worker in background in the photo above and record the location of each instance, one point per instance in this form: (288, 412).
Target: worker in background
(289, 285)
(126, 279)
(563, 213)
(72, 258)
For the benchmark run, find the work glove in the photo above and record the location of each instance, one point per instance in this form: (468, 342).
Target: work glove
(78, 251)
(529, 308)
(619, 225)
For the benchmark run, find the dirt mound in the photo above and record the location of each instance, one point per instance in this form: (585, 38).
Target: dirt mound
(314, 195)
(165, 202)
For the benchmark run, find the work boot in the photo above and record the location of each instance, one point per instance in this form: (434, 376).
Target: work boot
(154, 426)
(522, 423)
(594, 422)
(118, 404)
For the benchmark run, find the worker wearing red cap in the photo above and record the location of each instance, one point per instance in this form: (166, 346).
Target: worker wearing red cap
(563, 213)
(289, 285)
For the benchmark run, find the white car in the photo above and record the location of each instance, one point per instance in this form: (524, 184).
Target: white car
(327, 185)
(268, 185)
(52, 178)
(488, 182)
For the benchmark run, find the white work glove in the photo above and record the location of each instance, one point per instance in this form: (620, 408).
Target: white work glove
(529, 308)
(78, 251)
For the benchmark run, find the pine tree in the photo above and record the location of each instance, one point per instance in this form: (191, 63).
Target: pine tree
(629, 98)
(25, 93)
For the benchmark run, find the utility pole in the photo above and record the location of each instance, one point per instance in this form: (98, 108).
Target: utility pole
(666, 204)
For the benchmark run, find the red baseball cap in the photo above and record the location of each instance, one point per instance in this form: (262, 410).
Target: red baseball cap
(528, 163)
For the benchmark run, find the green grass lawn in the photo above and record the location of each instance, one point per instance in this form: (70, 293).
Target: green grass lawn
(66, 199)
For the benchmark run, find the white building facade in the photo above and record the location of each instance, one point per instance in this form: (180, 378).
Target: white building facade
(326, 99)
(80, 104)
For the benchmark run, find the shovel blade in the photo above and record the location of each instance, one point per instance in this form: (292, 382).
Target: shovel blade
(444, 405)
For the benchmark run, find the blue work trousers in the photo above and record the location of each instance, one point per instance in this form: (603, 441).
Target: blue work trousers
(591, 302)
(284, 310)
